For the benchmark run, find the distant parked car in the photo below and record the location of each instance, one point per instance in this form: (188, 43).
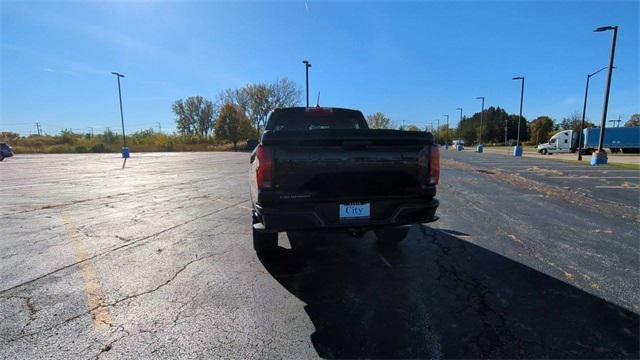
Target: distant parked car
(5, 151)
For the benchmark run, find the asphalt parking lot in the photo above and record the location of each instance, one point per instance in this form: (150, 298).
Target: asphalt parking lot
(530, 258)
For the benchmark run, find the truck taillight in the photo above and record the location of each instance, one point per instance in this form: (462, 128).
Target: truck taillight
(264, 171)
(434, 165)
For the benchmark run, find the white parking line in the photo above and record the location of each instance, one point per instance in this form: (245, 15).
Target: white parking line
(594, 177)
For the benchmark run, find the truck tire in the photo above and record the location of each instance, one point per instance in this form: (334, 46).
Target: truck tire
(265, 242)
(391, 235)
(544, 151)
(1, 157)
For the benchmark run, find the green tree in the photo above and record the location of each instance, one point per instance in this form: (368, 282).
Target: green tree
(258, 100)
(379, 121)
(260, 105)
(67, 137)
(444, 134)
(573, 122)
(8, 136)
(233, 125)
(540, 128)
(109, 136)
(411, 127)
(194, 116)
(284, 93)
(633, 121)
(494, 120)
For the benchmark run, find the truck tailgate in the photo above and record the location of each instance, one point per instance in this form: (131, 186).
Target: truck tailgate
(349, 164)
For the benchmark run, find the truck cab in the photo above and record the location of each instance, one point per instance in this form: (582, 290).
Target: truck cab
(561, 142)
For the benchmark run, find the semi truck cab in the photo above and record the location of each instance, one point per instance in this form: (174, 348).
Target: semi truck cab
(561, 142)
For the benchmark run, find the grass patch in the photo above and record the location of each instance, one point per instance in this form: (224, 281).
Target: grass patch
(587, 163)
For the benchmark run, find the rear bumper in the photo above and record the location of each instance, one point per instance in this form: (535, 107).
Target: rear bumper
(325, 216)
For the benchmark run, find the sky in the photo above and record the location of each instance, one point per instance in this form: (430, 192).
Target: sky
(413, 61)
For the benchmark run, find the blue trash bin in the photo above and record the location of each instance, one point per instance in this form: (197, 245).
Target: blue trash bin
(125, 152)
(480, 148)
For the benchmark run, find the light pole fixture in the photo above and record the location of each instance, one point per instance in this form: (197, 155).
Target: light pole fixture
(307, 65)
(125, 149)
(584, 112)
(480, 147)
(600, 156)
(517, 151)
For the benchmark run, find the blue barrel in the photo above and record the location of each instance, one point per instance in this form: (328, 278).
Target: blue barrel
(459, 147)
(480, 148)
(125, 152)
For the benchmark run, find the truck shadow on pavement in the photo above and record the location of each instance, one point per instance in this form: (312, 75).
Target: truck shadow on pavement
(436, 295)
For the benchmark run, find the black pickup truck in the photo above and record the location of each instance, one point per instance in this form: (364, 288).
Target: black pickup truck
(324, 169)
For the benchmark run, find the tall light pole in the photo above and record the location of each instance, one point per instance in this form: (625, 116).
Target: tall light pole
(480, 147)
(517, 151)
(446, 140)
(438, 129)
(307, 65)
(459, 122)
(600, 156)
(125, 151)
(584, 112)
(506, 123)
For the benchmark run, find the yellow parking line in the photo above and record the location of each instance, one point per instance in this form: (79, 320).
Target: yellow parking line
(95, 297)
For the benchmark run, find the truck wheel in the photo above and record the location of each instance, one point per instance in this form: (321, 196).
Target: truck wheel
(264, 242)
(1, 157)
(544, 151)
(392, 235)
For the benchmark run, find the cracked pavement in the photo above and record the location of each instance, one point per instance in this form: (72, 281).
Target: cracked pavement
(155, 261)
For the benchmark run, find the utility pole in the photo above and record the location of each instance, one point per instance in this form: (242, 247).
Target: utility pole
(91, 127)
(159, 127)
(38, 128)
(307, 65)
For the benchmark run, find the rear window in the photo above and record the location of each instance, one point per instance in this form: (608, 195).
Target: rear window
(315, 119)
